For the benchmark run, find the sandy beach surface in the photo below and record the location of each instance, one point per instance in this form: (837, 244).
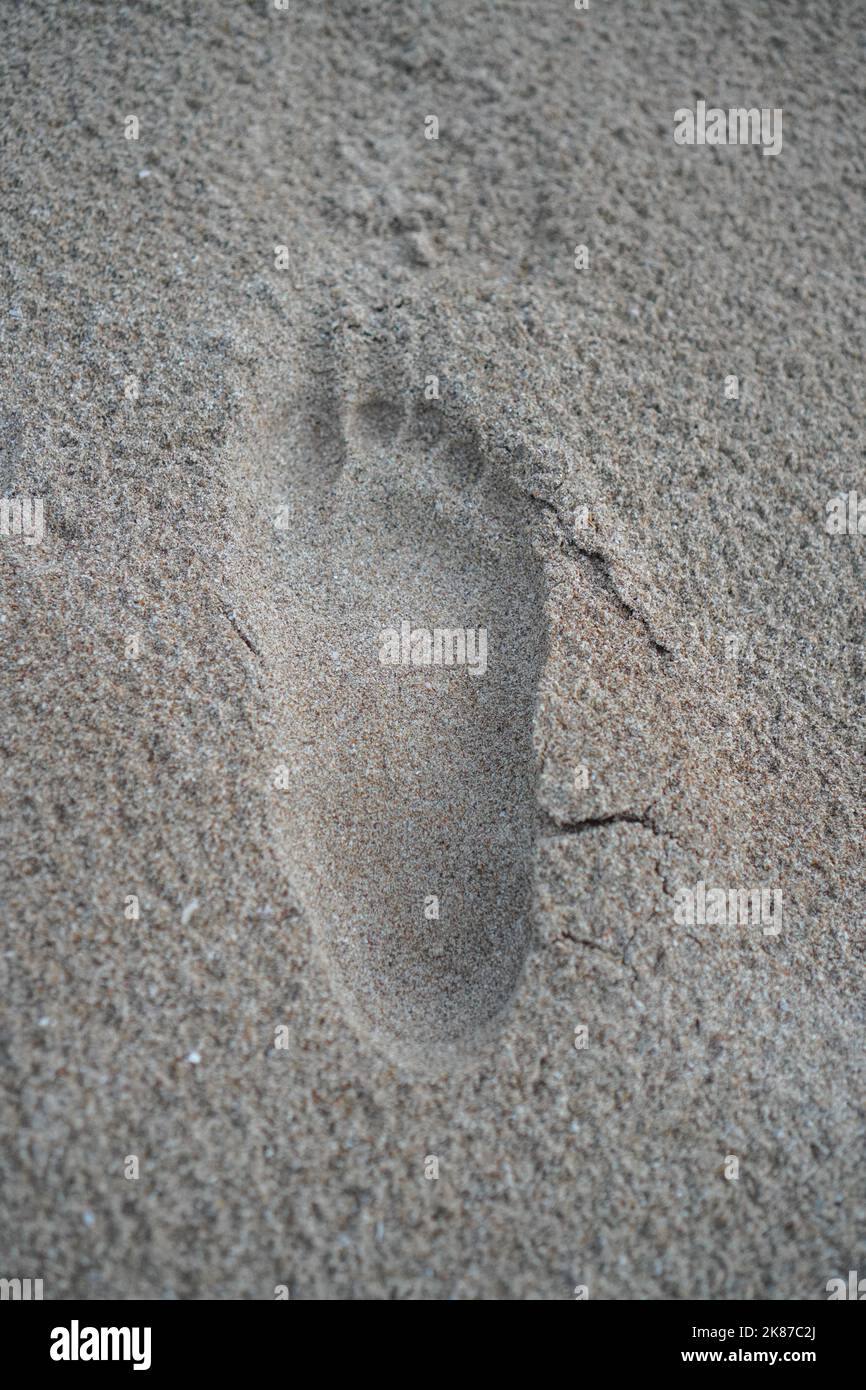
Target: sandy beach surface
(327, 965)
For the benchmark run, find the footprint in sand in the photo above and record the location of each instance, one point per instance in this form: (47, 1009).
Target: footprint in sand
(412, 818)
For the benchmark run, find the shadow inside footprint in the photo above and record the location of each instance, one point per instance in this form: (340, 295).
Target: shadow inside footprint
(413, 810)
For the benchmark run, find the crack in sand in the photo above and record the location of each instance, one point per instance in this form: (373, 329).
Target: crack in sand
(600, 565)
(242, 635)
(553, 825)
